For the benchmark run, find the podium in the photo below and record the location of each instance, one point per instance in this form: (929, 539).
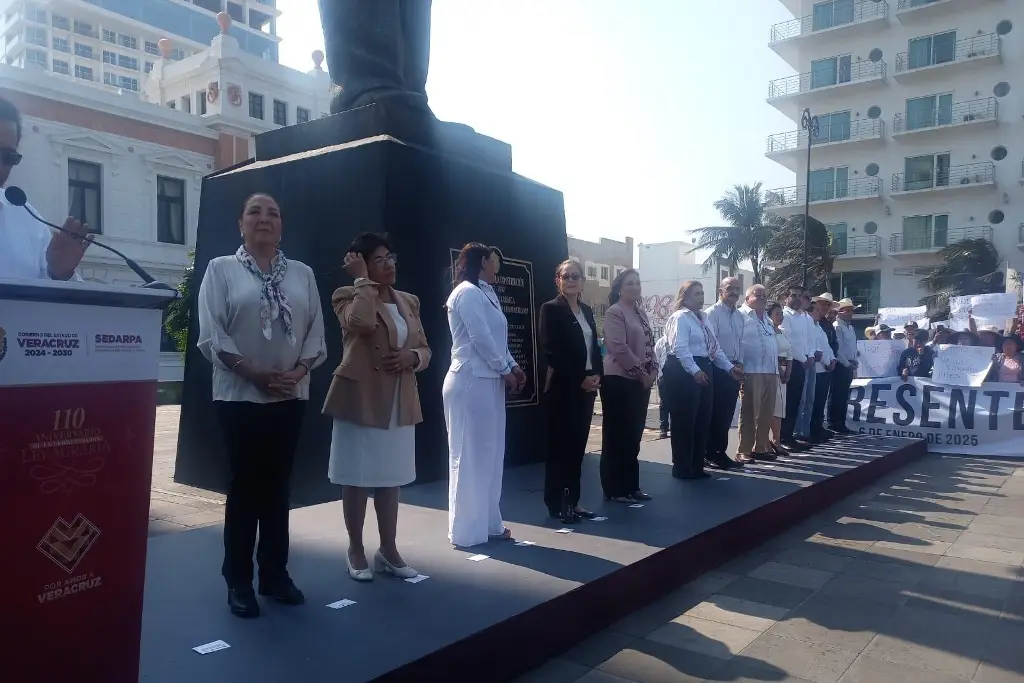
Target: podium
(78, 385)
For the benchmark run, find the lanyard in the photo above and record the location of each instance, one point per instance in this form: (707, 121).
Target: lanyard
(709, 337)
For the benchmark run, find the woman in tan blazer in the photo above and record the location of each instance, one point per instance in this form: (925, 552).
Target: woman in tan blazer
(374, 400)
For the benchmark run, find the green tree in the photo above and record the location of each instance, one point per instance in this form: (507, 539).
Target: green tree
(785, 252)
(750, 228)
(178, 312)
(968, 267)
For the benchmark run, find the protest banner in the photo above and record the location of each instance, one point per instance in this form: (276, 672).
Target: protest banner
(985, 421)
(962, 366)
(898, 317)
(987, 309)
(878, 358)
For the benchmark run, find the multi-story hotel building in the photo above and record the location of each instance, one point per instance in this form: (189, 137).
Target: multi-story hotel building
(920, 140)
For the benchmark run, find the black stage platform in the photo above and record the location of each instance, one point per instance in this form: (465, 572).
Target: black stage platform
(491, 619)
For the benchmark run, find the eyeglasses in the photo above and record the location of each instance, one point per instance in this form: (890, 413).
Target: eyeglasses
(380, 260)
(572, 277)
(9, 157)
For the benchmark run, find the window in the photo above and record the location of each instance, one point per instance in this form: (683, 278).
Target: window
(830, 183)
(832, 13)
(149, 67)
(929, 111)
(864, 287)
(605, 273)
(831, 71)
(128, 83)
(152, 48)
(85, 192)
(237, 13)
(280, 113)
(172, 104)
(924, 172)
(170, 210)
(33, 13)
(301, 115)
(83, 72)
(931, 50)
(126, 62)
(591, 272)
(35, 58)
(61, 22)
(61, 44)
(177, 54)
(109, 57)
(256, 106)
(837, 234)
(833, 127)
(925, 232)
(108, 36)
(84, 28)
(186, 104)
(109, 79)
(61, 67)
(201, 102)
(84, 51)
(36, 36)
(130, 42)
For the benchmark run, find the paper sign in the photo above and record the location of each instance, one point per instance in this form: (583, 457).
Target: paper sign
(879, 358)
(341, 603)
(211, 647)
(564, 531)
(962, 366)
(417, 578)
(898, 317)
(478, 558)
(524, 543)
(987, 309)
(599, 519)
(637, 505)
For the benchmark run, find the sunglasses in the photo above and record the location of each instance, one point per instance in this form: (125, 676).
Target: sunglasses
(572, 277)
(9, 157)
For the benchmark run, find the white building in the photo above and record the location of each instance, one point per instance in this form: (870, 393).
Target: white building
(131, 164)
(919, 142)
(665, 266)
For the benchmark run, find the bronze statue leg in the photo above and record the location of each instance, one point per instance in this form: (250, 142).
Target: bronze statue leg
(416, 55)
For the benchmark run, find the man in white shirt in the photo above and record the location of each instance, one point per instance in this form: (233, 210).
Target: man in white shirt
(28, 250)
(660, 354)
(818, 343)
(800, 329)
(727, 323)
(845, 370)
(824, 306)
(760, 356)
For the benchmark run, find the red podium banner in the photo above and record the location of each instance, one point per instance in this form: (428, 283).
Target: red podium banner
(77, 408)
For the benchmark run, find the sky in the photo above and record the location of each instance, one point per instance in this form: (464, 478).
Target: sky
(642, 112)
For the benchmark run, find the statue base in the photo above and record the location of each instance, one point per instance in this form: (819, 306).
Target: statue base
(430, 203)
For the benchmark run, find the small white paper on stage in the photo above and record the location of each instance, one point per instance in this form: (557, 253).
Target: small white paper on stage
(599, 519)
(637, 505)
(345, 602)
(524, 543)
(417, 578)
(769, 467)
(724, 478)
(478, 558)
(564, 531)
(211, 647)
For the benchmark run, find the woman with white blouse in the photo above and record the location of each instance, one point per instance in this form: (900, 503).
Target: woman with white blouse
(261, 327)
(785, 360)
(482, 369)
(692, 349)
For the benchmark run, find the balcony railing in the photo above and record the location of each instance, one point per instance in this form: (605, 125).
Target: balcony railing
(806, 82)
(861, 10)
(860, 188)
(986, 109)
(859, 129)
(963, 50)
(867, 246)
(936, 239)
(968, 174)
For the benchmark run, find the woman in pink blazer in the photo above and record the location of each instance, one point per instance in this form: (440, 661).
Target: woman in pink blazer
(630, 369)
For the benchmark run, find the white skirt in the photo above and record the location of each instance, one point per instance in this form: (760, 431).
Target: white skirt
(369, 457)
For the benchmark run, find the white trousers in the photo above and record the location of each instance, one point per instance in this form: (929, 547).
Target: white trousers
(474, 412)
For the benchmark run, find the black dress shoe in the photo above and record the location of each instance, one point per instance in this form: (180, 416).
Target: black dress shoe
(584, 513)
(640, 495)
(764, 457)
(242, 602)
(283, 591)
(794, 446)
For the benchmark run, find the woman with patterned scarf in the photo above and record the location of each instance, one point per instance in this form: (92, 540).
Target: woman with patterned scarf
(630, 370)
(261, 327)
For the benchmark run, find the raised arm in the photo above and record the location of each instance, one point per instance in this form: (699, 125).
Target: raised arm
(356, 307)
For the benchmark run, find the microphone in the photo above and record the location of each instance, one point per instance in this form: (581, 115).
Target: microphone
(17, 197)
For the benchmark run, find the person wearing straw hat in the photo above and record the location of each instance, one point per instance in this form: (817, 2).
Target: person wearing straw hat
(846, 367)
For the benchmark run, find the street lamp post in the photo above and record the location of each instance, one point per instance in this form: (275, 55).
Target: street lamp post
(810, 124)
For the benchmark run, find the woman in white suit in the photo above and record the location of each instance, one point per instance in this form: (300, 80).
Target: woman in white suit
(474, 399)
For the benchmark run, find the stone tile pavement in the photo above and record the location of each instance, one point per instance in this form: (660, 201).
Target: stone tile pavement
(915, 580)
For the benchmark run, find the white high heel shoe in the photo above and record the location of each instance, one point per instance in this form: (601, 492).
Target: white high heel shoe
(358, 574)
(381, 564)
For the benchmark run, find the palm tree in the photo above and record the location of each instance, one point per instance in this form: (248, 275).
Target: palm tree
(968, 267)
(785, 251)
(178, 311)
(750, 227)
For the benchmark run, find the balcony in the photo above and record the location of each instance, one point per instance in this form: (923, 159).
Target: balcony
(792, 93)
(974, 113)
(970, 177)
(910, 11)
(1020, 236)
(787, 37)
(969, 51)
(790, 200)
(932, 241)
(789, 148)
(867, 246)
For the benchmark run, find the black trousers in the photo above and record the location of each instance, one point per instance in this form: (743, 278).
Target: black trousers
(570, 412)
(624, 404)
(794, 392)
(723, 410)
(662, 406)
(839, 397)
(261, 439)
(822, 388)
(690, 410)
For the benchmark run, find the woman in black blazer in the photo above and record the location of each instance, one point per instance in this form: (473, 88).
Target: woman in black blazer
(568, 338)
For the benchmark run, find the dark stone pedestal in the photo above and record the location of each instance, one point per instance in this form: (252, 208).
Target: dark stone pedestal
(430, 204)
